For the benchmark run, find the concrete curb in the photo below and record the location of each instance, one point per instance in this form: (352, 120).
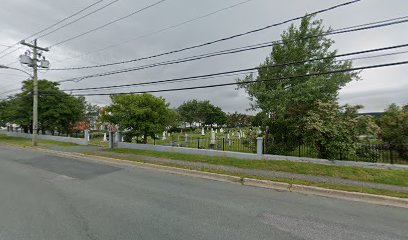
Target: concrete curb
(279, 186)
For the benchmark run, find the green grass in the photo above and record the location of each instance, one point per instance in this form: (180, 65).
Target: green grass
(98, 142)
(27, 141)
(286, 180)
(385, 176)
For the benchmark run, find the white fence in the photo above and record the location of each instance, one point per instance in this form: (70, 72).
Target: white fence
(258, 156)
(80, 141)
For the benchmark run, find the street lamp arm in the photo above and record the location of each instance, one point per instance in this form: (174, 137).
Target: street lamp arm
(17, 69)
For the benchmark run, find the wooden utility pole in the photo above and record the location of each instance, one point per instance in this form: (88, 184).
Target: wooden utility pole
(34, 65)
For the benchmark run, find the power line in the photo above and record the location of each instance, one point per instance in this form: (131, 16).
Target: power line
(76, 20)
(245, 69)
(15, 50)
(248, 82)
(202, 78)
(49, 27)
(262, 45)
(166, 28)
(107, 24)
(233, 36)
(217, 76)
(63, 20)
(176, 81)
(371, 25)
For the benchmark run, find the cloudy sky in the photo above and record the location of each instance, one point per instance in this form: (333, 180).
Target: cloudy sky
(21, 18)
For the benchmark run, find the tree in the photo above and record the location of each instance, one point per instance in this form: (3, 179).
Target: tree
(236, 119)
(189, 111)
(394, 128)
(6, 112)
(141, 115)
(211, 115)
(286, 101)
(334, 130)
(202, 112)
(56, 110)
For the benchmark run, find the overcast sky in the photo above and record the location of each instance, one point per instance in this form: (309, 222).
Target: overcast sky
(20, 18)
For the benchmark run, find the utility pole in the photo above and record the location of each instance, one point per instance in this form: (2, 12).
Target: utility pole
(34, 65)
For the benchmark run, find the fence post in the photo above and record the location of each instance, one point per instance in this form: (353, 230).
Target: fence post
(198, 142)
(391, 157)
(110, 139)
(86, 136)
(223, 144)
(154, 140)
(259, 146)
(299, 148)
(118, 137)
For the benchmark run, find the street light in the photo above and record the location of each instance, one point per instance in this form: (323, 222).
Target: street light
(17, 69)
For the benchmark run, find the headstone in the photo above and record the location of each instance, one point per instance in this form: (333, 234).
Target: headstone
(238, 135)
(164, 136)
(186, 137)
(259, 132)
(216, 130)
(243, 134)
(221, 130)
(202, 132)
(212, 137)
(104, 137)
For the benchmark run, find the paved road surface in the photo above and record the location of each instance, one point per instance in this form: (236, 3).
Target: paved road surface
(48, 197)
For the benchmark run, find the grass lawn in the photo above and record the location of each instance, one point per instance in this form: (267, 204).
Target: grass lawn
(386, 176)
(27, 141)
(286, 180)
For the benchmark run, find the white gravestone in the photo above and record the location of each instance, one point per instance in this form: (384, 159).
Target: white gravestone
(212, 137)
(164, 135)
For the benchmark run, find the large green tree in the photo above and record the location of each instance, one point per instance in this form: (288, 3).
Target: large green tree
(334, 130)
(140, 115)
(394, 128)
(237, 119)
(284, 102)
(56, 109)
(190, 112)
(202, 112)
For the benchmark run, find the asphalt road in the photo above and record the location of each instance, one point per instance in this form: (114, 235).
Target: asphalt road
(48, 197)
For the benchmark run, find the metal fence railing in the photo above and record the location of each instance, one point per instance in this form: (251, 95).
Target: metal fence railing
(381, 153)
(221, 144)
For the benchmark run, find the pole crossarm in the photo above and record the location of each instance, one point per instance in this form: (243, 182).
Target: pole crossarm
(22, 42)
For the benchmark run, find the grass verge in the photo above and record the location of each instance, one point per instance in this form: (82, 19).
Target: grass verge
(385, 176)
(347, 188)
